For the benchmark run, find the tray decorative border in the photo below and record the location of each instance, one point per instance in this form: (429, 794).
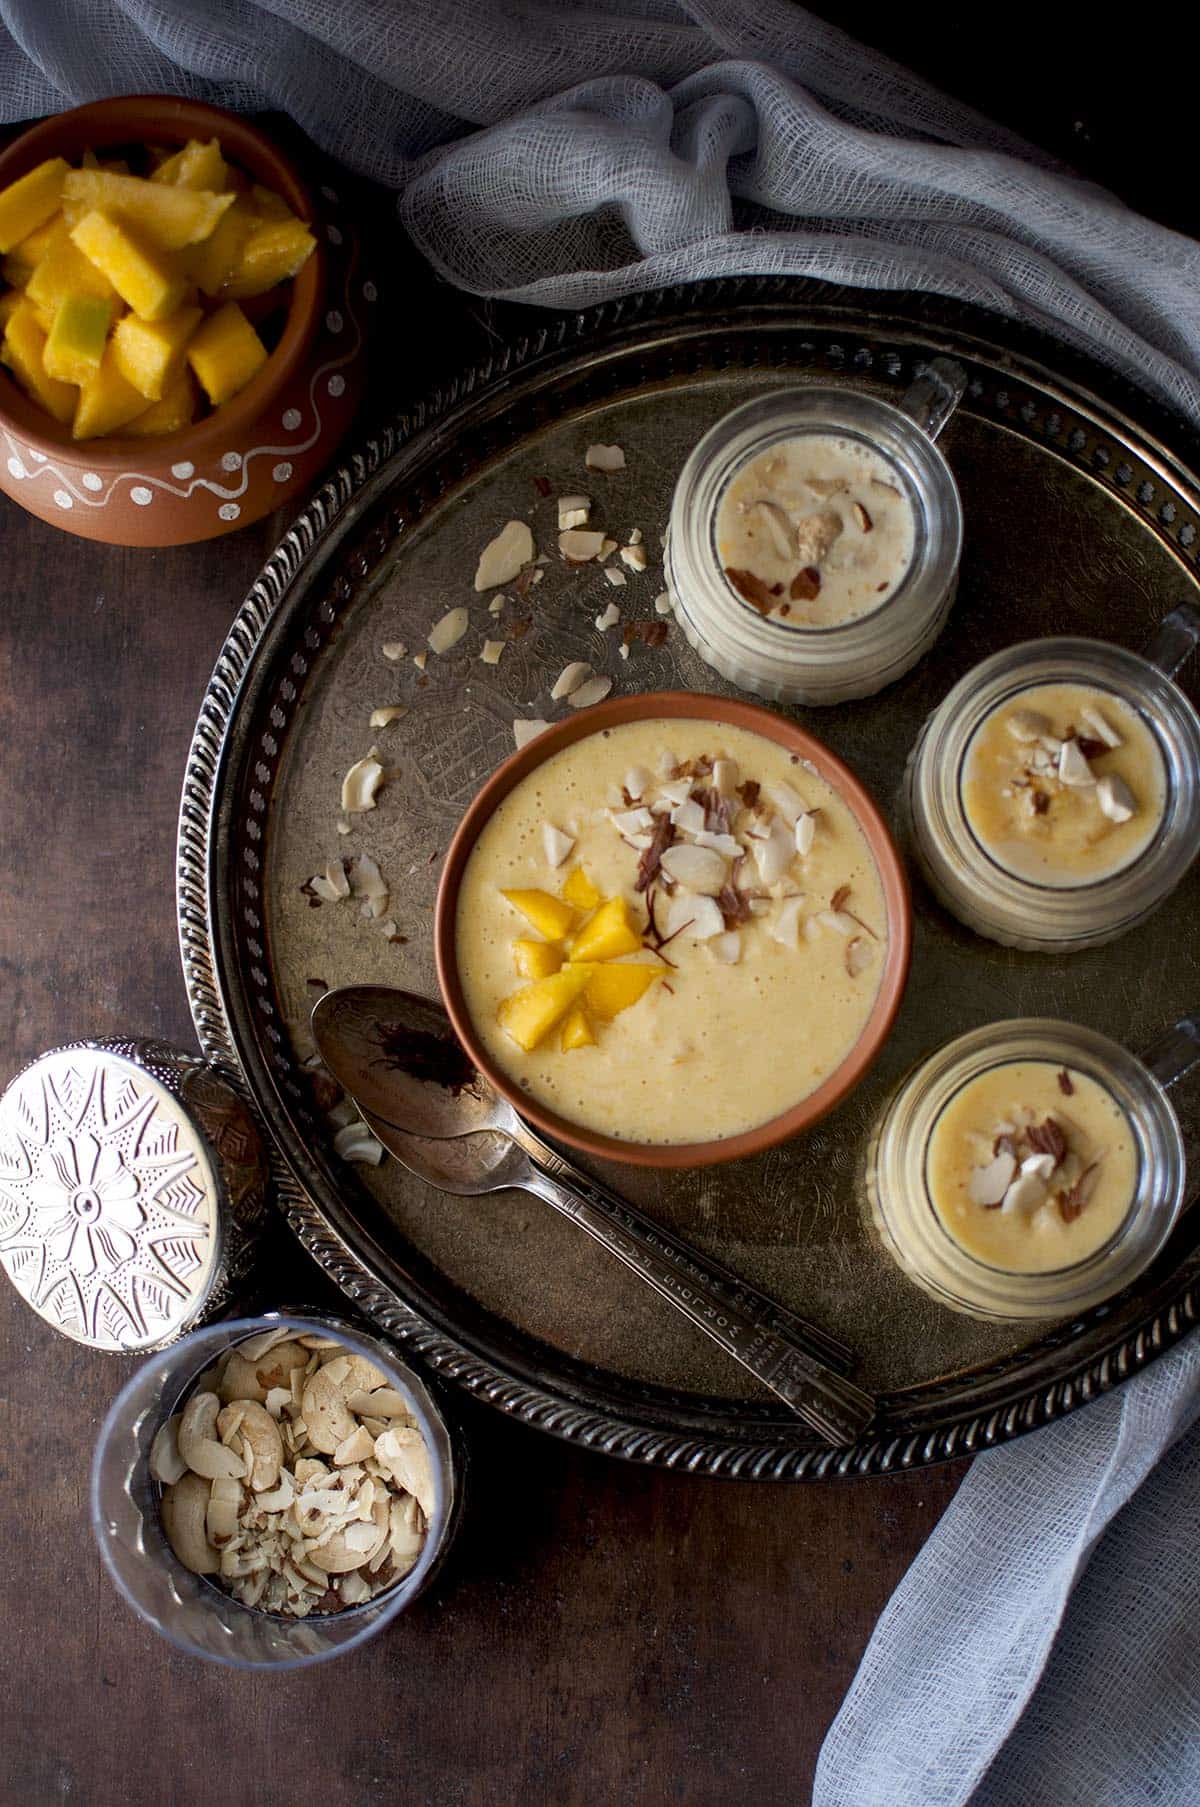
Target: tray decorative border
(1138, 480)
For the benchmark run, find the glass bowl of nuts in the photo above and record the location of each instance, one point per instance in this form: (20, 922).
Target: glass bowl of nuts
(269, 1492)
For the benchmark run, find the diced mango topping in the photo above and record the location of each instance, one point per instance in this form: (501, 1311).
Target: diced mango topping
(536, 959)
(226, 353)
(25, 350)
(214, 262)
(106, 402)
(614, 988)
(576, 1030)
(143, 277)
(530, 1014)
(30, 201)
(580, 891)
(610, 933)
(150, 353)
(549, 915)
(77, 338)
(164, 217)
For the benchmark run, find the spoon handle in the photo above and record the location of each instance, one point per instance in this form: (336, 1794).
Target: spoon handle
(742, 1321)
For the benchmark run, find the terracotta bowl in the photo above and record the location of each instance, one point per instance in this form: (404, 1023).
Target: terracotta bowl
(676, 705)
(247, 457)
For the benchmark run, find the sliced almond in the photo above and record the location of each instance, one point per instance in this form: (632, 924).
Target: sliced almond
(360, 785)
(557, 844)
(634, 536)
(727, 948)
(698, 869)
(987, 1185)
(806, 832)
(594, 691)
(789, 803)
(694, 918)
(573, 511)
(321, 887)
(604, 458)
(780, 530)
(634, 556)
(688, 816)
(496, 605)
(383, 718)
(1025, 1194)
(526, 730)
(616, 578)
(356, 1143)
(393, 649)
(503, 557)
(365, 878)
(449, 630)
(579, 545)
(1027, 724)
(786, 926)
(1115, 798)
(1101, 727)
(662, 603)
(725, 776)
(570, 678)
(773, 852)
(632, 821)
(1041, 1166)
(1073, 768)
(609, 617)
(492, 651)
(837, 921)
(727, 845)
(637, 780)
(421, 659)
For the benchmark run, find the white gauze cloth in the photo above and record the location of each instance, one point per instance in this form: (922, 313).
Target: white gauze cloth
(1043, 1648)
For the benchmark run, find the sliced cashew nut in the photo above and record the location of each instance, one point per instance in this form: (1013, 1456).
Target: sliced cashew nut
(221, 1517)
(324, 1407)
(274, 1367)
(166, 1463)
(260, 1438)
(337, 1557)
(198, 1445)
(184, 1508)
(240, 1381)
(404, 1454)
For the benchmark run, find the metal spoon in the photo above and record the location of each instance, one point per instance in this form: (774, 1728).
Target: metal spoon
(399, 1059)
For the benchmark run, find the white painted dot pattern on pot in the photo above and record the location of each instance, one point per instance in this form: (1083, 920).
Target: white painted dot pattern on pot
(291, 419)
(334, 321)
(91, 480)
(282, 471)
(329, 193)
(370, 292)
(141, 495)
(183, 470)
(37, 457)
(63, 499)
(333, 234)
(336, 385)
(228, 511)
(231, 461)
(16, 468)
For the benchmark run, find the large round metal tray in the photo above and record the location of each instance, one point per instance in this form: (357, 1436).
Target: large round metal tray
(1081, 515)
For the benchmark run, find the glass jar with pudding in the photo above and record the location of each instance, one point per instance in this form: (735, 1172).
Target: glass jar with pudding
(1031, 1168)
(671, 932)
(814, 539)
(1054, 796)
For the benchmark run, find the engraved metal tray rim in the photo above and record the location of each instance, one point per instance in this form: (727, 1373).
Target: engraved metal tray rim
(651, 1424)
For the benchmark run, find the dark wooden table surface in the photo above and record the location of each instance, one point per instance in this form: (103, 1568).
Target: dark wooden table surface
(600, 1634)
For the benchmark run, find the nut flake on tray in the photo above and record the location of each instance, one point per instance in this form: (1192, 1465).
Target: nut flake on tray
(295, 1476)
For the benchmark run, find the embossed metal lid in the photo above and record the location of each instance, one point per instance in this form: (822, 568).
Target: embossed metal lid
(110, 1200)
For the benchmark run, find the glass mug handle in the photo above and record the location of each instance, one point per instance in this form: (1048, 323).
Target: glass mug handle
(1176, 639)
(932, 399)
(1175, 1052)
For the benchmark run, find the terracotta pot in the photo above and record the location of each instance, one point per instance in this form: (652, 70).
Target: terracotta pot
(676, 705)
(255, 452)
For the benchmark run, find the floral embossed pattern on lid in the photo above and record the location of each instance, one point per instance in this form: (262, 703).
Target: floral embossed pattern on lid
(113, 1200)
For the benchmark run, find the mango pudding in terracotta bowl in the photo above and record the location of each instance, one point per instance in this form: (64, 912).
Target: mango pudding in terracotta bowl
(673, 930)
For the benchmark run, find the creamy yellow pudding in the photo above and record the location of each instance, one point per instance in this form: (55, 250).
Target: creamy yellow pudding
(1031, 1167)
(816, 531)
(672, 931)
(1064, 784)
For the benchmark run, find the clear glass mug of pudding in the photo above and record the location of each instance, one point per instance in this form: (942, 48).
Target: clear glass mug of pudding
(1031, 1169)
(814, 538)
(1053, 797)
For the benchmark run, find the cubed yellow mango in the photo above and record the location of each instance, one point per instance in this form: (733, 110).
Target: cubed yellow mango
(197, 165)
(142, 277)
(608, 934)
(150, 353)
(549, 915)
(35, 245)
(9, 301)
(66, 271)
(580, 891)
(77, 339)
(536, 959)
(576, 1030)
(175, 411)
(25, 348)
(614, 987)
(268, 205)
(226, 353)
(30, 201)
(164, 217)
(106, 402)
(529, 1014)
(214, 262)
(273, 252)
